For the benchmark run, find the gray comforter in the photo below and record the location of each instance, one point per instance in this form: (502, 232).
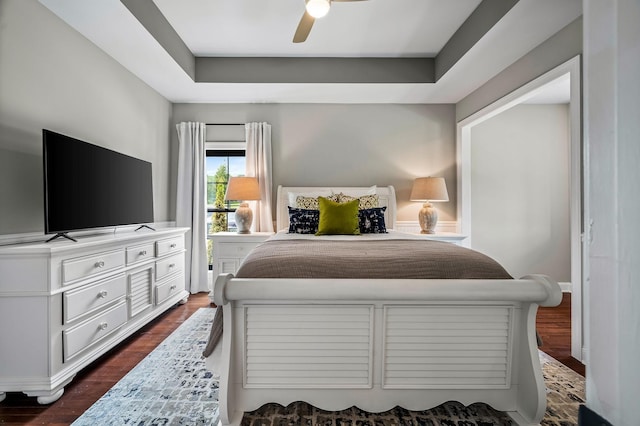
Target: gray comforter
(409, 259)
(361, 258)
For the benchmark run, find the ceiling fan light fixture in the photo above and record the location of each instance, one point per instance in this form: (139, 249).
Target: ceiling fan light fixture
(318, 8)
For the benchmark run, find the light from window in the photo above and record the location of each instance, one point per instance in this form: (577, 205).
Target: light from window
(221, 164)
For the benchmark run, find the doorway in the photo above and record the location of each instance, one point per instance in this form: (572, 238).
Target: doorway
(568, 72)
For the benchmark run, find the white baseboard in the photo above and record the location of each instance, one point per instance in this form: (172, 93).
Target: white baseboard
(565, 287)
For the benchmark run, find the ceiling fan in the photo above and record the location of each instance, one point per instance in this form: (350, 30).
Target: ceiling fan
(314, 9)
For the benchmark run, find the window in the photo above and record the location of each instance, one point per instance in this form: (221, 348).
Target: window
(221, 164)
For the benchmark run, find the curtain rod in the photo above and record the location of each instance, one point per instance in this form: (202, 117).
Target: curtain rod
(224, 124)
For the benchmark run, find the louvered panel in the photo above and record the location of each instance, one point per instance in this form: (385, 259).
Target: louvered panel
(447, 346)
(283, 339)
(227, 266)
(452, 339)
(298, 366)
(140, 291)
(308, 347)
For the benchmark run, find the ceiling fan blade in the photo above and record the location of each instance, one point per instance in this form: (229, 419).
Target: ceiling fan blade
(304, 27)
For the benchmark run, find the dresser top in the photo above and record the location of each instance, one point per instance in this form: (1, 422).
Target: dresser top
(85, 242)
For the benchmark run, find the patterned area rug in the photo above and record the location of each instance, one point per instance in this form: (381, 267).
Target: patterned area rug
(172, 386)
(565, 392)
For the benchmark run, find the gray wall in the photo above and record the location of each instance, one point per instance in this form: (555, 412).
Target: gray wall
(558, 49)
(520, 190)
(52, 77)
(350, 145)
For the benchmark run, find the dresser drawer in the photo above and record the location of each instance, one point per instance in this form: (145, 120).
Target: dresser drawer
(83, 267)
(169, 245)
(168, 288)
(236, 250)
(169, 266)
(87, 299)
(139, 253)
(78, 338)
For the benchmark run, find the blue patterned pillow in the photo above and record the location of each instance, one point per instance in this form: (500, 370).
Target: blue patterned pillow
(303, 221)
(371, 221)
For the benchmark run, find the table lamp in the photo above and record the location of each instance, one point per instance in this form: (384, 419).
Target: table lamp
(428, 190)
(243, 189)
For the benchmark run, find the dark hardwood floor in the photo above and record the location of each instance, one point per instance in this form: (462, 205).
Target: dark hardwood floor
(554, 326)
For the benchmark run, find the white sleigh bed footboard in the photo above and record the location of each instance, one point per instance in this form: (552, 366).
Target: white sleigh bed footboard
(377, 344)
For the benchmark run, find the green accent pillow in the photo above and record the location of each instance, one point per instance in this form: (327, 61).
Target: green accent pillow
(338, 218)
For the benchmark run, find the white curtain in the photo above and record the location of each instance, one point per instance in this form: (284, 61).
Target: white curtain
(258, 136)
(191, 202)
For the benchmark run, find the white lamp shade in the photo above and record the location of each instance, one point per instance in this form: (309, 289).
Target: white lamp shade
(242, 189)
(318, 8)
(429, 189)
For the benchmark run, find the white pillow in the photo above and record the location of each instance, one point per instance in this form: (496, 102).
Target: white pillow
(356, 192)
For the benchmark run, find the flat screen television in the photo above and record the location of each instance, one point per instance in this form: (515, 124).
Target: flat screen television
(87, 186)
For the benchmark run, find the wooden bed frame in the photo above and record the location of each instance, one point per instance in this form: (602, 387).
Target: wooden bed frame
(378, 344)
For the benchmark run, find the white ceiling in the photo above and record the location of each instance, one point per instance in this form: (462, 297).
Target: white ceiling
(377, 28)
(374, 28)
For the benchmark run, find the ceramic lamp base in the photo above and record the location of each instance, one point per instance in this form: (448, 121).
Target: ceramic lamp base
(428, 218)
(244, 218)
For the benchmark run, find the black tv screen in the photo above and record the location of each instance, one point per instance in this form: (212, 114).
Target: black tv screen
(87, 186)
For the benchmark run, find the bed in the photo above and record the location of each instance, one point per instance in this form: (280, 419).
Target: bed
(376, 342)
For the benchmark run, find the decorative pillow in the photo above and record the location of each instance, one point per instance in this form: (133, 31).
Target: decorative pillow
(338, 218)
(371, 221)
(292, 196)
(303, 221)
(365, 201)
(311, 203)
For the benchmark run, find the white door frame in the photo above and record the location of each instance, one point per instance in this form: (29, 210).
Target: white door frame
(570, 69)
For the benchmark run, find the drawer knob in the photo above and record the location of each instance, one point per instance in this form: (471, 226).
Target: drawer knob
(103, 326)
(173, 245)
(172, 265)
(143, 253)
(173, 287)
(99, 264)
(102, 294)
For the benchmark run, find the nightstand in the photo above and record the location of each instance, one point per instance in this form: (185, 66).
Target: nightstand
(230, 249)
(449, 237)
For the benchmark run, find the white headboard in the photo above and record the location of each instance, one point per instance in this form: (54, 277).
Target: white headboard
(386, 197)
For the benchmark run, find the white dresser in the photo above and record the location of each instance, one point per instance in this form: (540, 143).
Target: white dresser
(63, 303)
